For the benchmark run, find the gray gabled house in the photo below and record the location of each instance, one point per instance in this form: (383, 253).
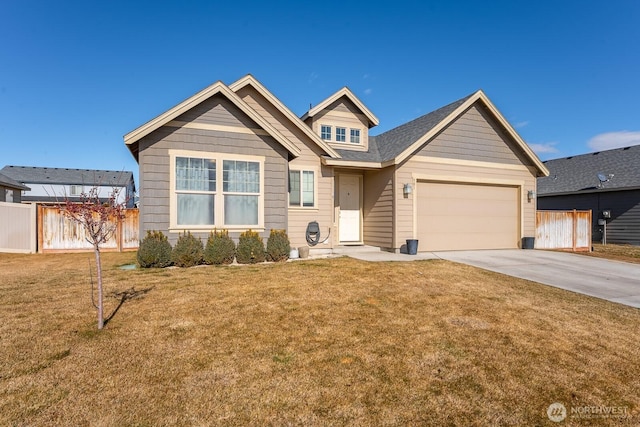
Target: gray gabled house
(51, 185)
(235, 157)
(605, 182)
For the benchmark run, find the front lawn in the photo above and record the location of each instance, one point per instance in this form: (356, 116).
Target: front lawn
(318, 342)
(626, 253)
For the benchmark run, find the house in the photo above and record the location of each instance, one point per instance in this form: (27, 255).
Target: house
(605, 182)
(235, 157)
(53, 185)
(11, 190)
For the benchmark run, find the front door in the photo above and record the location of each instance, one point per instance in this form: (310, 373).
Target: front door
(349, 194)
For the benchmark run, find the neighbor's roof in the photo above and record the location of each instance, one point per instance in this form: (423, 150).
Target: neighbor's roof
(5, 181)
(68, 176)
(396, 145)
(579, 174)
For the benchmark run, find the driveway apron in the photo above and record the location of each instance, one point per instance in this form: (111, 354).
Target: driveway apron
(610, 280)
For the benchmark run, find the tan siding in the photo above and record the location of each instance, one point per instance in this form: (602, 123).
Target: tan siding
(378, 208)
(474, 136)
(405, 174)
(298, 218)
(154, 163)
(346, 115)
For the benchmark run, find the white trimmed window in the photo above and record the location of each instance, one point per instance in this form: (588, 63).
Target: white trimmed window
(341, 134)
(325, 132)
(302, 188)
(355, 136)
(216, 190)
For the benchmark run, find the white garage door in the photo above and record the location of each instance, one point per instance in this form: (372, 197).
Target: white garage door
(467, 216)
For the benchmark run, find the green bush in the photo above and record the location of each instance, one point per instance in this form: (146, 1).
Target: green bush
(220, 248)
(250, 248)
(278, 246)
(188, 251)
(154, 251)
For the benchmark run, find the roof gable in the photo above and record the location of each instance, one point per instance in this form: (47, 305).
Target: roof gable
(344, 92)
(5, 181)
(575, 174)
(249, 80)
(217, 88)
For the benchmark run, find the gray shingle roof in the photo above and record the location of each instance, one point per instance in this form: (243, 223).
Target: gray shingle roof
(11, 183)
(41, 175)
(390, 144)
(576, 174)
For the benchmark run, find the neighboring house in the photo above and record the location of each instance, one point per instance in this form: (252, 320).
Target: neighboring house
(235, 157)
(601, 181)
(55, 185)
(11, 190)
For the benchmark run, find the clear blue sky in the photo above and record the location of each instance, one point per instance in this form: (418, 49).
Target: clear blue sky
(75, 76)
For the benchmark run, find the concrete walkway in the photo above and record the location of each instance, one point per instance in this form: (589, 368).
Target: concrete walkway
(610, 280)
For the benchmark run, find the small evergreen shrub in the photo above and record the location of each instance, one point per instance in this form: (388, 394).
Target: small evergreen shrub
(154, 251)
(188, 251)
(220, 248)
(250, 248)
(278, 246)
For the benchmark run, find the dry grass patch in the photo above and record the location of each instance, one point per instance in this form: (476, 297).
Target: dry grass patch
(626, 253)
(324, 342)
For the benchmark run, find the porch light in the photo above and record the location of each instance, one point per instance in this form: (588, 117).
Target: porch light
(531, 195)
(407, 189)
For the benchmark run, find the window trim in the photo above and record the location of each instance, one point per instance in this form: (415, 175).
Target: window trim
(218, 216)
(322, 132)
(351, 130)
(301, 169)
(344, 135)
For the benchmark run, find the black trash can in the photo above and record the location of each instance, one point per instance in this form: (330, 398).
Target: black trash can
(412, 246)
(528, 242)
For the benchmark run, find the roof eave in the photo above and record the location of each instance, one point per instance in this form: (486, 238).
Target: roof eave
(478, 96)
(346, 92)
(218, 87)
(250, 80)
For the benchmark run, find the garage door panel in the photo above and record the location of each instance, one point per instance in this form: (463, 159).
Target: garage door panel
(466, 216)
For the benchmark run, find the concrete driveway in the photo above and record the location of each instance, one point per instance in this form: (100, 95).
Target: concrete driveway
(610, 280)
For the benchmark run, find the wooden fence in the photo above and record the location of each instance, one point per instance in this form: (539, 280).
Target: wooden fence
(566, 230)
(17, 228)
(56, 233)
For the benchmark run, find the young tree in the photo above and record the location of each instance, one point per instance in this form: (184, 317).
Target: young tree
(99, 218)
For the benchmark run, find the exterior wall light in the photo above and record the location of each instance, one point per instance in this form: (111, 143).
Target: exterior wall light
(531, 195)
(407, 189)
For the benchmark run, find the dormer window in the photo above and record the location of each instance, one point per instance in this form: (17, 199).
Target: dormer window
(341, 134)
(325, 132)
(355, 136)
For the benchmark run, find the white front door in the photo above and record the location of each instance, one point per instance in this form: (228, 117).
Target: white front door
(349, 194)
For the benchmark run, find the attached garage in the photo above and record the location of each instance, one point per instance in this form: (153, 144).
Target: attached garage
(461, 216)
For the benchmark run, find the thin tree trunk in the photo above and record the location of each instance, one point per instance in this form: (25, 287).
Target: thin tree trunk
(99, 273)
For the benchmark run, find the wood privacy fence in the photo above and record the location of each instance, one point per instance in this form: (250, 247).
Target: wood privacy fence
(17, 228)
(567, 230)
(57, 233)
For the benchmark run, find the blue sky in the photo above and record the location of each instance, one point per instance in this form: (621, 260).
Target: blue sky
(75, 76)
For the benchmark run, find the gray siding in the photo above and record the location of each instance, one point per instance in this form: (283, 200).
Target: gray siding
(154, 163)
(474, 136)
(624, 225)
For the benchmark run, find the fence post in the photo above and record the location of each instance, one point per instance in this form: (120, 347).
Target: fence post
(575, 229)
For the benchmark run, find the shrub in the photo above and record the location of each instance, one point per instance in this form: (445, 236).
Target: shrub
(220, 248)
(278, 246)
(188, 251)
(154, 251)
(250, 248)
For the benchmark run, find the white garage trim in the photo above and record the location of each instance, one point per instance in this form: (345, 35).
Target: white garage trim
(451, 179)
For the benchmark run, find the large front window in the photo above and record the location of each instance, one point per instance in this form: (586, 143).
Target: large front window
(195, 191)
(216, 190)
(241, 187)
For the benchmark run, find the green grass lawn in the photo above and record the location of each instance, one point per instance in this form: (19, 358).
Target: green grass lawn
(318, 342)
